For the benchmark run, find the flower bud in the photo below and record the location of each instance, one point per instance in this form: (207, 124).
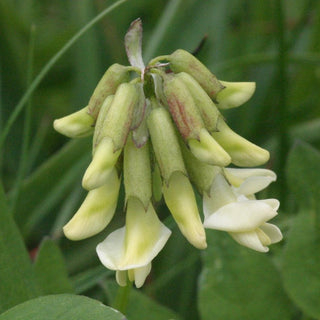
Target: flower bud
(182, 108)
(118, 120)
(180, 199)
(243, 153)
(96, 210)
(235, 94)
(137, 172)
(113, 77)
(103, 161)
(183, 61)
(207, 149)
(200, 173)
(76, 125)
(205, 105)
(165, 142)
(100, 121)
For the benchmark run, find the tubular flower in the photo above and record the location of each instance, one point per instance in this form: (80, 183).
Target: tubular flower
(158, 129)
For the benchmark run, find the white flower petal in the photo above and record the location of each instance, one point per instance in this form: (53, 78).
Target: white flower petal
(272, 231)
(249, 181)
(121, 277)
(140, 275)
(111, 250)
(250, 240)
(96, 210)
(273, 203)
(220, 195)
(240, 216)
(235, 94)
(145, 237)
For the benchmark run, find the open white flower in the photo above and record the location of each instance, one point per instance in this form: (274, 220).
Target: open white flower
(130, 249)
(244, 219)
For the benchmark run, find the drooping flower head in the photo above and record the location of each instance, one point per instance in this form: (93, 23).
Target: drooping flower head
(158, 129)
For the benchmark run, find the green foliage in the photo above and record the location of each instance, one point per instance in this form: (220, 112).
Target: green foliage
(226, 281)
(239, 284)
(50, 270)
(61, 307)
(301, 259)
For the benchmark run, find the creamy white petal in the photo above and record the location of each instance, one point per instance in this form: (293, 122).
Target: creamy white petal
(101, 165)
(180, 199)
(240, 216)
(235, 94)
(250, 240)
(140, 275)
(96, 210)
(249, 181)
(274, 203)
(121, 277)
(273, 232)
(220, 195)
(111, 250)
(145, 235)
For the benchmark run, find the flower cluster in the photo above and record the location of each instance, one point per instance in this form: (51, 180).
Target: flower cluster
(159, 128)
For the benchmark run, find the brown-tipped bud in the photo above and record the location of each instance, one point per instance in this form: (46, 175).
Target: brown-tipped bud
(208, 110)
(183, 61)
(113, 77)
(182, 108)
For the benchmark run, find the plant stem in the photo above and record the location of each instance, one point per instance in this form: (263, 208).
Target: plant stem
(122, 298)
(48, 67)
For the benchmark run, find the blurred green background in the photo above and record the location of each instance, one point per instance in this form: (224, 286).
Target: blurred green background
(274, 43)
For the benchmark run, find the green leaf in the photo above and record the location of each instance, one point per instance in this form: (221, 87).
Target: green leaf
(17, 280)
(49, 183)
(303, 172)
(301, 263)
(238, 284)
(142, 307)
(50, 269)
(62, 307)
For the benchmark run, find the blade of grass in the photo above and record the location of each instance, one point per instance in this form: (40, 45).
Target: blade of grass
(27, 125)
(49, 65)
(162, 27)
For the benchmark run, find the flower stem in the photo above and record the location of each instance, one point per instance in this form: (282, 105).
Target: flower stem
(48, 67)
(122, 298)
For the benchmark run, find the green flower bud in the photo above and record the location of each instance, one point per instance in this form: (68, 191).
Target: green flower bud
(182, 108)
(113, 77)
(100, 121)
(206, 106)
(235, 94)
(96, 210)
(243, 153)
(76, 125)
(183, 61)
(180, 199)
(165, 142)
(118, 120)
(137, 172)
